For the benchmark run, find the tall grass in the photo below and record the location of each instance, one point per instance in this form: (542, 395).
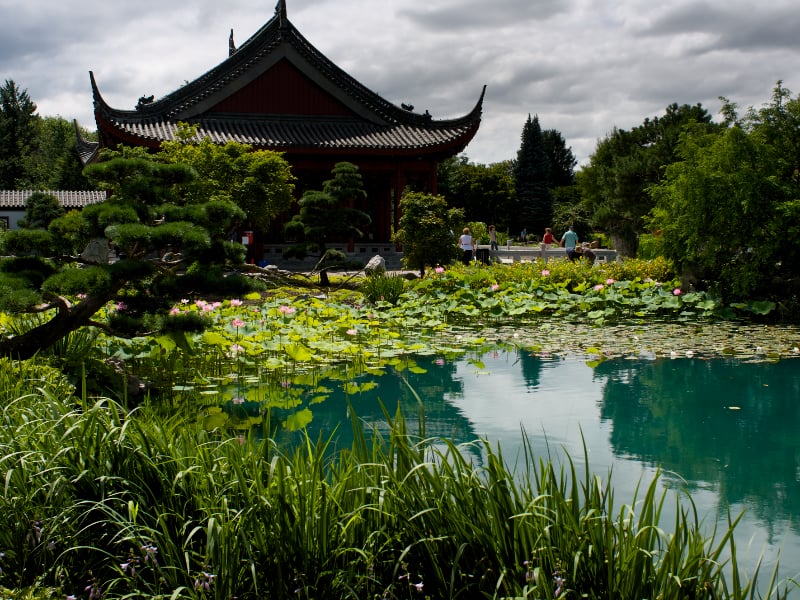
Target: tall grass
(97, 500)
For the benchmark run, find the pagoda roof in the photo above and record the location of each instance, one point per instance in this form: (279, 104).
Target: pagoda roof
(244, 99)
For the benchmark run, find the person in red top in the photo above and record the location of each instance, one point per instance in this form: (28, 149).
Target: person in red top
(547, 240)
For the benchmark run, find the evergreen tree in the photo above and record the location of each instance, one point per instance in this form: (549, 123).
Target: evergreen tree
(40, 210)
(532, 178)
(166, 250)
(18, 127)
(329, 215)
(560, 158)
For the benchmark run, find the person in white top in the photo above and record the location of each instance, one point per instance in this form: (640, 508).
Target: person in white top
(466, 245)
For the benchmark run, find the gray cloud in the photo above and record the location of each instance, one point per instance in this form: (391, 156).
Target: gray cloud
(583, 67)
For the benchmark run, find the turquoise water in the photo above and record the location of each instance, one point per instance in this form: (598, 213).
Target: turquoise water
(725, 431)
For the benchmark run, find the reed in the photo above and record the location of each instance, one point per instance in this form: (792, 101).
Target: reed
(98, 500)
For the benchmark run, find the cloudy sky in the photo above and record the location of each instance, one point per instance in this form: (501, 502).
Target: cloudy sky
(582, 66)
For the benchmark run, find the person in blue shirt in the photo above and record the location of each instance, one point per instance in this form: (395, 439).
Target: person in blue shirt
(569, 241)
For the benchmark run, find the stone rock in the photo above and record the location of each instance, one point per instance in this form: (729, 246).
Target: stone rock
(376, 264)
(98, 251)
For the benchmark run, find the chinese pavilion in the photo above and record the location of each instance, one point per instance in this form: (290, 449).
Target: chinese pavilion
(277, 92)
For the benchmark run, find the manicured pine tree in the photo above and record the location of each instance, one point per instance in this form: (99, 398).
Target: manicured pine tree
(329, 215)
(165, 250)
(531, 179)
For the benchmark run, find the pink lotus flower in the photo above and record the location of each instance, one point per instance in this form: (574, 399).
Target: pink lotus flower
(237, 323)
(439, 361)
(495, 287)
(352, 332)
(609, 281)
(287, 310)
(236, 302)
(545, 273)
(676, 292)
(598, 287)
(175, 311)
(439, 269)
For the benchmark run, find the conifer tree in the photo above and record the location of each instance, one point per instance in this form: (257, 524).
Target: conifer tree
(18, 126)
(329, 215)
(141, 250)
(531, 178)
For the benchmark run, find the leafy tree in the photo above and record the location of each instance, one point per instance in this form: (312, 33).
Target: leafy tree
(614, 183)
(728, 210)
(532, 178)
(329, 215)
(484, 192)
(18, 127)
(167, 249)
(257, 181)
(427, 230)
(40, 210)
(53, 163)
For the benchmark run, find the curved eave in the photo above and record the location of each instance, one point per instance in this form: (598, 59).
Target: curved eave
(87, 149)
(289, 135)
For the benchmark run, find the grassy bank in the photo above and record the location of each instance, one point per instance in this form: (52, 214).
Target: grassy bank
(102, 503)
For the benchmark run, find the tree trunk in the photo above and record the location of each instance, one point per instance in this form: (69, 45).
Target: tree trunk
(626, 243)
(66, 320)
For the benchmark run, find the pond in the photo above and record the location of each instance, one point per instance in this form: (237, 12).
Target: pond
(726, 431)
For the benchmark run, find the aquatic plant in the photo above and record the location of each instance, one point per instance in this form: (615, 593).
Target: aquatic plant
(102, 503)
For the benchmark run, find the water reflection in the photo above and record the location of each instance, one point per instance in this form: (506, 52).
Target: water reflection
(725, 430)
(730, 424)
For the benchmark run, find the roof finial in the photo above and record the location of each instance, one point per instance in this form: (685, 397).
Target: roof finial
(231, 45)
(280, 10)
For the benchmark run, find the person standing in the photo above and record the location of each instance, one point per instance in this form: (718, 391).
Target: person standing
(569, 241)
(493, 239)
(547, 239)
(523, 236)
(467, 247)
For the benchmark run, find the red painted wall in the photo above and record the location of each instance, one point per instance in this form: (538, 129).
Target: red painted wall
(282, 90)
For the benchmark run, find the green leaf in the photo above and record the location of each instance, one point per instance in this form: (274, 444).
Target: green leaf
(298, 420)
(298, 352)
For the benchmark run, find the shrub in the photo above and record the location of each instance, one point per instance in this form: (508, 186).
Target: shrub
(382, 287)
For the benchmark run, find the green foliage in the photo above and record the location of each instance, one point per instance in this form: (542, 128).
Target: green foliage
(650, 246)
(392, 512)
(626, 163)
(40, 210)
(53, 162)
(18, 127)
(427, 230)
(560, 158)
(37, 242)
(259, 182)
(532, 177)
(71, 233)
(329, 215)
(725, 209)
(382, 288)
(485, 193)
(145, 231)
(91, 280)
